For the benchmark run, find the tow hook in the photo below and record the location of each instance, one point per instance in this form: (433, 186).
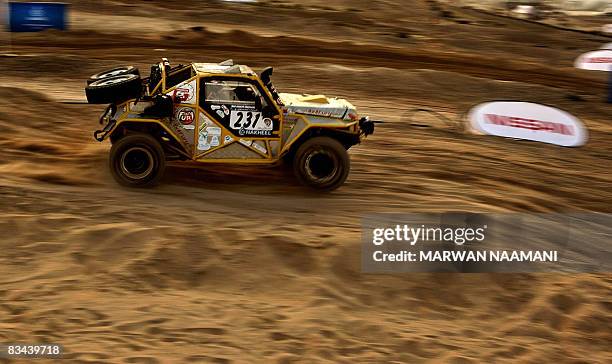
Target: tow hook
(99, 135)
(366, 125)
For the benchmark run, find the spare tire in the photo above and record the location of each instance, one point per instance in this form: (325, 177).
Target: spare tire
(114, 90)
(123, 70)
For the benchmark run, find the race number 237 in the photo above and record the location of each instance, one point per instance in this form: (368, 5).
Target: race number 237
(241, 119)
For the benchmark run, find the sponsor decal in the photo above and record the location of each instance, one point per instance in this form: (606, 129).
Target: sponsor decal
(289, 122)
(262, 133)
(209, 137)
(227, 139)
(221, 110)
(528, 121)
(218, 110)
(260, 148)
(215, 133)
(209, 134)
(186, 116)
(184, 93)
(203, 141)
(334, 113)
(351, 116)
(600, 60)
(205, 121)
(254, 144)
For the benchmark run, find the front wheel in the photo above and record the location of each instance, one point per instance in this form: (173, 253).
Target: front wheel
(137, 160)
(321, 163)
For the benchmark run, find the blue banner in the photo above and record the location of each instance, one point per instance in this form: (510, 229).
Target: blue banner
(36, 16)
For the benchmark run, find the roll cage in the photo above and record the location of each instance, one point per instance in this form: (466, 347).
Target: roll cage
(163, 77)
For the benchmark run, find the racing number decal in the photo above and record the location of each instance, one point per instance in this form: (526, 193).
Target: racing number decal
(249, 120)
(246, 120)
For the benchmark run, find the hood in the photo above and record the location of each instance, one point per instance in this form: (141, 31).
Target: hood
(319, 105)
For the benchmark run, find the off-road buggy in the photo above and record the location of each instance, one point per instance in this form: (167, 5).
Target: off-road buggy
(221, 113)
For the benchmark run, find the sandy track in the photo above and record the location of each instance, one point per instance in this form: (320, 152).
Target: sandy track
(221, 265)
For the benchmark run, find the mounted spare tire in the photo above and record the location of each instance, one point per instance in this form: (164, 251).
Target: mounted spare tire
(114, 90)
(123, 70)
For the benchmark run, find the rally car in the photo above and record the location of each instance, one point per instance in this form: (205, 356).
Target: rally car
(221, 113)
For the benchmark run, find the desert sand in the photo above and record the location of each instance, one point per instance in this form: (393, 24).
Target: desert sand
(243, 265)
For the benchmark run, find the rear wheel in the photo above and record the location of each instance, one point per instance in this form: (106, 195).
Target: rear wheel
(137, 160)
(321, 163)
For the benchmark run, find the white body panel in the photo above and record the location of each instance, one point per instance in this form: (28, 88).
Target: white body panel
(317, 105)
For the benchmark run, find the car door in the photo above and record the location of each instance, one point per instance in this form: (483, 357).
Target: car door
(238, 119)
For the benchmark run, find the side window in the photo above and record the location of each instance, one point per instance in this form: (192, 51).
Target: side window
(233, 93)
(239, 106)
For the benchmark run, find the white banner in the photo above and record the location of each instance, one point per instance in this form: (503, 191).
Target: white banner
(595, 61)
(529, 121)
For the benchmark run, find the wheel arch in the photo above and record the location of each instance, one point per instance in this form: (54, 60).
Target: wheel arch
(344, 136)
(154, 128)
(146, 166)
